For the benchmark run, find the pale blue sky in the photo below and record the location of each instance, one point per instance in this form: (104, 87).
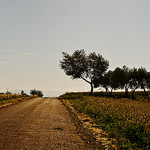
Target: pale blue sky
(33, 33)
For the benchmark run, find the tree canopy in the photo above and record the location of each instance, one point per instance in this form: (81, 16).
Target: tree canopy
(82, 66)
(92, 68)
(39, 93)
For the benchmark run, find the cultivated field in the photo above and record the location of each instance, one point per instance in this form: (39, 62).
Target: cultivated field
(124, 119)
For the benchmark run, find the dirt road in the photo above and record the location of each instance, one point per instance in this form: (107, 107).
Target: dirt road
(38, 124)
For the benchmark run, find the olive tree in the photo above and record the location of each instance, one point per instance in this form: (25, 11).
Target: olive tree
(104, 81)
(139, 79)
(117, 78)
(125, 81)
(85, 67)
(143, 79)
(120, 79)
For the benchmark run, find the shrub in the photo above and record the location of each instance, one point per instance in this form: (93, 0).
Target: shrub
(39, 93)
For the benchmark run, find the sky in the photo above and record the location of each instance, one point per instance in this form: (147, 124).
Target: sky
(34, 33)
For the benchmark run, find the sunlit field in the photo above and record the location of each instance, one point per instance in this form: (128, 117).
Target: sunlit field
(124, 119)
(12, 98)
(9, 96)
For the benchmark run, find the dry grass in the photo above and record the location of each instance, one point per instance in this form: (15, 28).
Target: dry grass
(12, 98)
(125, 119)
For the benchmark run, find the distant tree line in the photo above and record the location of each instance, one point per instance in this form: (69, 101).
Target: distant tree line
(33, 92)
(124, 78)
(93, 68)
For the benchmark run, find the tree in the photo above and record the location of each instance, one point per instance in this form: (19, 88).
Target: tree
(139, 78)
(80, 66)
(23, 93)
(104, 81)
(8, 92)
(125, 82)
(39, 93)
(134, 84)
(143, 79)
(120, 79)
(117, 78)
(148, 80)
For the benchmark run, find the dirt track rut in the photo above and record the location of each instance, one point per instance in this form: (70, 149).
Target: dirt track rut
(38, 124)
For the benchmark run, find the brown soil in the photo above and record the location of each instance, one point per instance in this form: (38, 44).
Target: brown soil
(38, 124)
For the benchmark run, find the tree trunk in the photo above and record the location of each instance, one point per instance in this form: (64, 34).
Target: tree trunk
(126, 92)
(133, 97)
(146, 93)
(106, 91)
(91, 83)
(91, 93)
(111, 92)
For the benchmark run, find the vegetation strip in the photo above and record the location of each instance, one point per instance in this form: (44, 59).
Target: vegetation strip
(95, 137)
(123, 119)
(9, 99)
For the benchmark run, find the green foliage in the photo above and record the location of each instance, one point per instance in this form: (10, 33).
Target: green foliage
(125, 78)
(92, 69)
(97, 65)
(139, 78)
(23, 93)
(118, 78)
(39, 93)
(82, 66)
(74, 65)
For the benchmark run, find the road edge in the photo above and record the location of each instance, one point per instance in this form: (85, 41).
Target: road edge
(90, 138)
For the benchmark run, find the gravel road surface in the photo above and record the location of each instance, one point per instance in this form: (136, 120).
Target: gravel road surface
(38, 124)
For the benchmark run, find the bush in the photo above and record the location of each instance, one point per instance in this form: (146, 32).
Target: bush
(39, 93)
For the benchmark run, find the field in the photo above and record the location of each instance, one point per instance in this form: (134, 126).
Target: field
(12, 98)
(124, 119)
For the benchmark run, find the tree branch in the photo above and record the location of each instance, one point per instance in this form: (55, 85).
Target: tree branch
(85, 80)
